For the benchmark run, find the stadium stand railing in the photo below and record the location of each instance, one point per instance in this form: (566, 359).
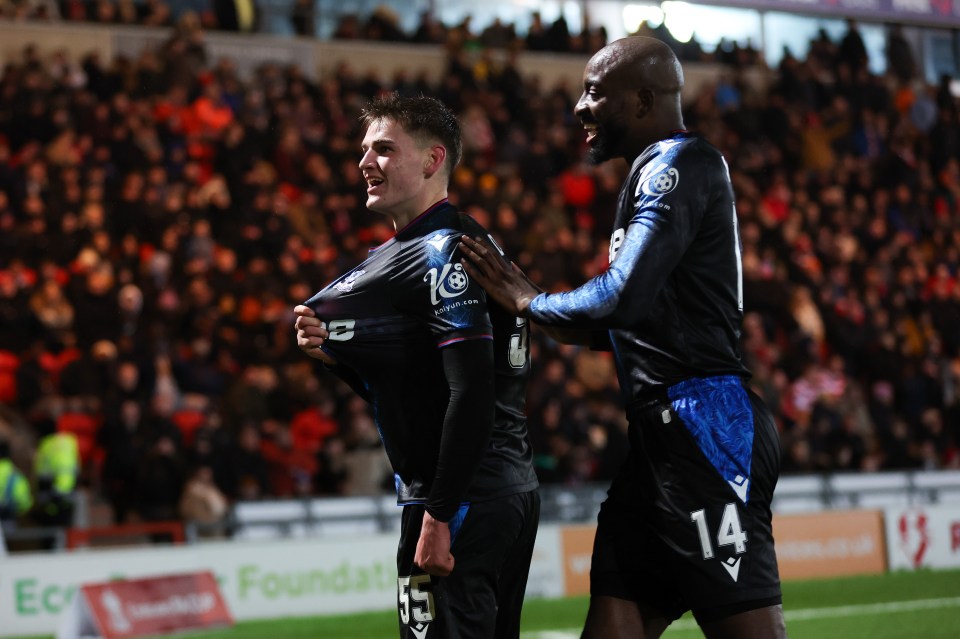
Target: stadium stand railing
(271, 519)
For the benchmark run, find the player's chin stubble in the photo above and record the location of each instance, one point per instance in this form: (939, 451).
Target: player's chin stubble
(602, 148)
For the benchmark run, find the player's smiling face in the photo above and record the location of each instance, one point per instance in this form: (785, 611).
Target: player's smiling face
(603, 110)
(393, 168)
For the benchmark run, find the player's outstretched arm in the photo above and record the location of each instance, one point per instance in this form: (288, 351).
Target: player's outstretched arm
(311, 334)
(510, 287)
(503, 280)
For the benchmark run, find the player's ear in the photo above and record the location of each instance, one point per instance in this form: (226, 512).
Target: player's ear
(645, 99)
(436, 156)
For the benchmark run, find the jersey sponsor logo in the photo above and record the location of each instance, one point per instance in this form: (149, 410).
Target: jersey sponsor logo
(454, 305)
(449, 282)
(660, 182)
(347, 284)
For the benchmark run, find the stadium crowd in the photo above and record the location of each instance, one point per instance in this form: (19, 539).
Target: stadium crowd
(382, 24)
(161, 216)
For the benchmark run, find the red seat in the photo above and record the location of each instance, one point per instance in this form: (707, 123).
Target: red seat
(309, 428)
(9, 363)
(84, 427)
(188, 421)
(80, 424)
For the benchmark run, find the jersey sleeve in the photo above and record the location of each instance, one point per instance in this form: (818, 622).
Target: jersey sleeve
(453, 306)
(469, 369)
(670, 195)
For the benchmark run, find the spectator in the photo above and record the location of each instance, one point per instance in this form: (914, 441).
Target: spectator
(15, 496)
(56, 470)
(202, 502)
(303, 18)
(900, 59)
(236, 15)
(123, 440)
(160, 480)
(852, 50)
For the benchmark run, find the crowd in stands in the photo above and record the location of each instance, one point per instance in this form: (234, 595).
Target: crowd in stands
(161, 216)
(381, 24)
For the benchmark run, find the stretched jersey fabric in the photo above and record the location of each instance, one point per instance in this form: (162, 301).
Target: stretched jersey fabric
(672, 295)
(389, 319)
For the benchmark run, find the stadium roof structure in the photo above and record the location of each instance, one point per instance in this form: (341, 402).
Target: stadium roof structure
(933, 13)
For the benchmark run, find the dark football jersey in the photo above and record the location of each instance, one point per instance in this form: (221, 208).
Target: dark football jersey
(388, 320)
(672, 295)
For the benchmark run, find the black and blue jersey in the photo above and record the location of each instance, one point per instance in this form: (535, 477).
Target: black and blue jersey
(389, 320)
(672, 297)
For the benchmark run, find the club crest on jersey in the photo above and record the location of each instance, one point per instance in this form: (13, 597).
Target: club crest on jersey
(451, 281)
(659, 181)
(347, 284)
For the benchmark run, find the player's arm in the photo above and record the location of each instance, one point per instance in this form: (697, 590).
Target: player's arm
(622, 295)
(616, 298)
(510, 287)
(654, 242)
(468, 366)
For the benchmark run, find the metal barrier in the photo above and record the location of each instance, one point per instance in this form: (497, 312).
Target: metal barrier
(580, 504)
(77, 537)
(352, 516)
(51, 537)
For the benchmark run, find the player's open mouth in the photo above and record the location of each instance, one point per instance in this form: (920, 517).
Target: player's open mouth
(591, 130)
(373, 183)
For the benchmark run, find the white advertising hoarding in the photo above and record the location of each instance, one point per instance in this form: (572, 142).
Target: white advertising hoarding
(259, 580)
(923, 537)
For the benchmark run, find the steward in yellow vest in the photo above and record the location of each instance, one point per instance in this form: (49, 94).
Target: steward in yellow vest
(56, 468)
(15, 497)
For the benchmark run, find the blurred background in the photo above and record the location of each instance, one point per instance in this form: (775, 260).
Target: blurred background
(176, 176)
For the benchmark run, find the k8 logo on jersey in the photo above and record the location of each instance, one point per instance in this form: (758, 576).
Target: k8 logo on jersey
(658, 180)
(661, 183)
(451, 281)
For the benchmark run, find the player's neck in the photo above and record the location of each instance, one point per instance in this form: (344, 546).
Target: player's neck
(417, 208)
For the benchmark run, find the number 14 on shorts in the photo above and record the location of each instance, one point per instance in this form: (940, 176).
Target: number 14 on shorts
(730, 533)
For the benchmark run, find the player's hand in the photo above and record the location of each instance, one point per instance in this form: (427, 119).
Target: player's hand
(503, 281)
(311, 334)
(433, 548)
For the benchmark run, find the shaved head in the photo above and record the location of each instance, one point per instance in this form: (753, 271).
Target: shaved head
(641, 62)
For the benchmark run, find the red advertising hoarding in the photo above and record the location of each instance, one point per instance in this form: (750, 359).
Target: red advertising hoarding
(149, 606)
